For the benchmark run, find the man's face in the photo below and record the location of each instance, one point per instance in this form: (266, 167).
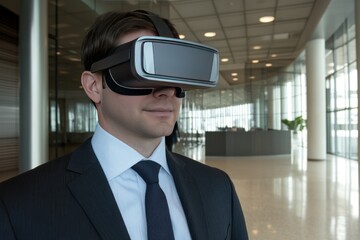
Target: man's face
(138, 117)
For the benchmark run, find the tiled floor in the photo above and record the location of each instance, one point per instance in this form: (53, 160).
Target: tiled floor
(287, 197)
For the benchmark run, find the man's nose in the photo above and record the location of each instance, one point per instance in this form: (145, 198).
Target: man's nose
(164, 91)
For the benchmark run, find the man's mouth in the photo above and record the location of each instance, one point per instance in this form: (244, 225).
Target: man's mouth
(160, 112)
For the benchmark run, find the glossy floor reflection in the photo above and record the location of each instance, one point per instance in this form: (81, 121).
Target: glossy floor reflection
(289, 197)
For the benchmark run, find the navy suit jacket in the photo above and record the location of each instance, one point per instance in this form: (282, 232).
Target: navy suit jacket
(70, 198)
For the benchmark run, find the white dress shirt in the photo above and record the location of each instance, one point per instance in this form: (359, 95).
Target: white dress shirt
(116, 159)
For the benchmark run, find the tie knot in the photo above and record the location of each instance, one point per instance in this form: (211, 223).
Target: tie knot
(148, 170)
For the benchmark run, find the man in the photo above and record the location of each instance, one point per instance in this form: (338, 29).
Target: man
(97, 192)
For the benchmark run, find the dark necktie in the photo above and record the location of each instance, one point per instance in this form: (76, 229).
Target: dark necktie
(157, 211)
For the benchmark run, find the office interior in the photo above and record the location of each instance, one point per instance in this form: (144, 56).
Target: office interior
(302, 62)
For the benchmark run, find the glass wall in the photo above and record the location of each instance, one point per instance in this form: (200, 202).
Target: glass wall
(341, 91)
(9, 90)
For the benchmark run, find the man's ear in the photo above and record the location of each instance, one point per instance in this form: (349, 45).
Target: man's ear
(92, 85)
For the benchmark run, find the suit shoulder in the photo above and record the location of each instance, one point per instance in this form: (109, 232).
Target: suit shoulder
(210, 181)
(201, 169)
(39, 176)
(53, 170)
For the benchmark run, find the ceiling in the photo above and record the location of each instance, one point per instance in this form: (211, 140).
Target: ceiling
(236, 23)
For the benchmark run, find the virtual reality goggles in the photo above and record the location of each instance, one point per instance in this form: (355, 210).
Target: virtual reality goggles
(148, 62)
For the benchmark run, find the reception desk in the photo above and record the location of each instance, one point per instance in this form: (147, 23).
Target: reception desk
(252, 143)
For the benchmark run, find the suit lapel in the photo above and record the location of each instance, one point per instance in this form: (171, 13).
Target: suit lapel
(93, 193)
(189, 196)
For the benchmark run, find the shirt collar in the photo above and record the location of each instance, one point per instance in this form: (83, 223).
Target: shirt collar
(115, 156)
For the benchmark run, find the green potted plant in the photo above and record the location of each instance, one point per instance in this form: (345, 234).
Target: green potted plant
(298, 124)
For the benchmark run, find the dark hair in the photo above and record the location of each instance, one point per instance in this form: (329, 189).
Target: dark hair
(105, 32)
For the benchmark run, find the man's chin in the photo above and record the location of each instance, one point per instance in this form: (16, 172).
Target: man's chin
(162, 133)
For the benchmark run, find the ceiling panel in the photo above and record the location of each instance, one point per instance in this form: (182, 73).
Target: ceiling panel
(228, 6)
(294, 2)
(284, 43)
(232, 20)
(258, 55)
(181, 25)
(259, 4)
(296, 12)
(235, 32)
(259, 30)
(194, 8)
(217, 43)
(236, 49)
(203, 23)
(240, 56)
(289, 26)
(238, 42)
(282, 50)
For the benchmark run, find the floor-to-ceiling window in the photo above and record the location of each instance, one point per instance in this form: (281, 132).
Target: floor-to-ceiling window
(215, 110)
(341, 90)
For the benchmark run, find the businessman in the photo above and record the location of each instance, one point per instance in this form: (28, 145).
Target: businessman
(123, 183)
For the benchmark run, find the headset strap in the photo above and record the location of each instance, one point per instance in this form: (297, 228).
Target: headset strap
(160, 25)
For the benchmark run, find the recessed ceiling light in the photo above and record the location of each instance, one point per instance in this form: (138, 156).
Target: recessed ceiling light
(268, 64)
(210, 34)
(224, 60)
(181, 36)
(273, 55)
(252, 77)
(235, 79)
(234, 74)
(266, 19)
(257, 47)
(255, 61)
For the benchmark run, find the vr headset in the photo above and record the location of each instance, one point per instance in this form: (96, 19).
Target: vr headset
(148, 62)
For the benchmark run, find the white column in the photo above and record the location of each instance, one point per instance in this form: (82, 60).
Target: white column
(270, 106)
(33, 64)
(316, 99)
